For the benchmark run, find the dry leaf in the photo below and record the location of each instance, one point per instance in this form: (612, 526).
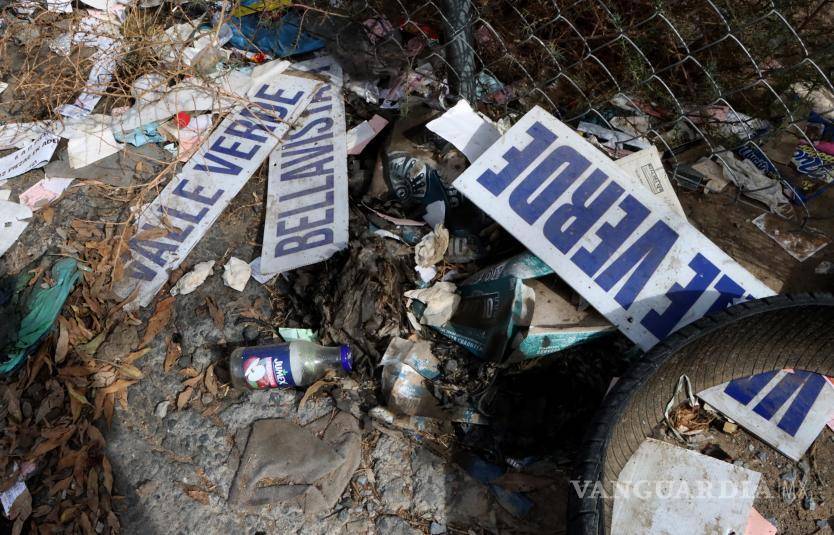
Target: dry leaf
(95, 435)
(131, 371)
(86, 525)
(136, 355)
(152, 233)
(60, 486)
(121, 384)
(108, 474)
(75, 394)
(211, 380)
(313, 389)
(183, 398)
(188, 372)
(194, 381)
(109, 406)
(50, 444)
(161, 317)
(48, 215)
(62, 346)
(216, 314)
(172, 355)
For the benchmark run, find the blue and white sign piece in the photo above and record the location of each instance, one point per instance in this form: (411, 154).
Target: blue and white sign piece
(786, 409)
(640, 264)
(307, 196)
(194, 199)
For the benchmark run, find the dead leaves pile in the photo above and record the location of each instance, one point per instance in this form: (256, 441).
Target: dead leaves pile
(56, 406)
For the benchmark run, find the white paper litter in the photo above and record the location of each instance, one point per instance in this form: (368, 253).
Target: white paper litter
(646, 166)
(91, 148)
(441, 302)
(360, 135)
(665, 489)
(467, 130)
(44, 192)
(432, 247)
(236, 274)
(194, 278)
(3, 86)
(8, 496)
(611, 138)
(35, 154)
(14, 218)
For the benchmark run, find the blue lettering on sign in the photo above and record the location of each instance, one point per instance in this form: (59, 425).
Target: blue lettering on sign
(195, 195)
(566, 226)
(137, 270)
(646, 254)
(570, 165)
(518, 160)
(681, 299)
(611, 237)
(728, 291)
(809, 385)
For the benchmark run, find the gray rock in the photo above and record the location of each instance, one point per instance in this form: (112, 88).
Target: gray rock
(394, 525)
(809, 503)
(761, 456)
(789, 476)
(161, 410)
(437, 529)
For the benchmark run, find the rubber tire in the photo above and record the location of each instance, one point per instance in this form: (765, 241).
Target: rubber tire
(753, 337)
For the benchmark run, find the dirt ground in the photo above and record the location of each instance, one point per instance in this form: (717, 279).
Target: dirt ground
(795, 497)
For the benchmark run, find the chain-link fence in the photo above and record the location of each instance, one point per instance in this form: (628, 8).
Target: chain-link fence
(690, 75)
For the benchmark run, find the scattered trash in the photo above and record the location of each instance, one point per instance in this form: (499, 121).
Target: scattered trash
(469, 132)
(824, 268)
(430, 251)
(236, 274)
(515, 502)
(753, 183)
(194, 278)
(44, 192)
(756, 403)
(292, 334)
(676, 475)
(309, 466)
(35, 154)
(360, 135)
(14, 218)
(441, 303)
(297, 363)
(648, 305)
(800, 243)
(646, 166)
(31, 310)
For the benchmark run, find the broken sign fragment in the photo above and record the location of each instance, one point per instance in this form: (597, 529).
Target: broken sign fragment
(307, 197)
(645, 165)
(196, 197)
(623, 251)
(787, 410)
(676, 504)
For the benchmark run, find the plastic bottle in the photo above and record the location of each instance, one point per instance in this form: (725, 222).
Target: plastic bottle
(286, 365)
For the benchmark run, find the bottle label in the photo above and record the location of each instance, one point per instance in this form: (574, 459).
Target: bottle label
(267, 367)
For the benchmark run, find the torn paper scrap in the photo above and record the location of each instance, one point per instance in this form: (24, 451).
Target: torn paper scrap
(14, 218)
(257, 274)
(786, 410)
(194, 278)
(35, 154)
(467, 130)
(441, 302)
(92, 147)
(646, 166)
(194, 199)
(236, 274)
(360, 135)
(19, 135)
(44, 192)
(800, 243)
(759, 525)
(307, 198)
(633, 258)
(611, 138)
(3, 86)
(661, 490)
